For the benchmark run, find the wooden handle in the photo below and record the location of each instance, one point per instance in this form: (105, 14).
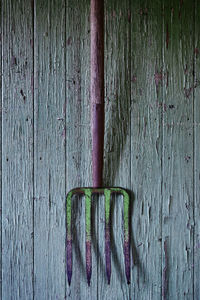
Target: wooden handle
(97, 89)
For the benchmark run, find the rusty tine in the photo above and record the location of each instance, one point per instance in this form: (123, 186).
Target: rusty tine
(97, 126)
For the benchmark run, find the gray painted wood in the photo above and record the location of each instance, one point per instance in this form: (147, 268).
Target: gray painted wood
(178, 201)
(78, 142)
(117, 142)
(1, 153)
(151, 147)
(196, 126)
(49, 150)
(146, 143)
(17, 151)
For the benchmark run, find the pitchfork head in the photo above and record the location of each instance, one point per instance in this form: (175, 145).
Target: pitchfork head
(88, 192)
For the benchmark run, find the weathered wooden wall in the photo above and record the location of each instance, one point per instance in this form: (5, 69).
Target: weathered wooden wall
(152, 141)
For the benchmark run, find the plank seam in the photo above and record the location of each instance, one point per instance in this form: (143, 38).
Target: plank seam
(1, 42)
(130, 125)
(65, 128)
(162, 156)
(194, 142)
(33, 116)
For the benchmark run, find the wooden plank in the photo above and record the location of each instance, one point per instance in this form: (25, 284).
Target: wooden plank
(78, 146)
(17, 150)
(177, 208)
(1, 149)
(49, 150)
(196, 91)
(146, 145)
(117, 144)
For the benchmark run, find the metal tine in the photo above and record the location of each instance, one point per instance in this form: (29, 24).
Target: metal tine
(107, 194)
(69, 236)
(126, 235)
(126, 203)
(88, 196)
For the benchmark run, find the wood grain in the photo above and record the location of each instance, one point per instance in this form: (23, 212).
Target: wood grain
(78, 143)
(17, 150)
(49, 150)
(178, 137)
(117, 143)
(1, 153)
(152, 134)
(146, 145)
(196, 140)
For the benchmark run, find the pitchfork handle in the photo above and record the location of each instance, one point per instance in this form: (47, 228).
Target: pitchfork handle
(97, 89)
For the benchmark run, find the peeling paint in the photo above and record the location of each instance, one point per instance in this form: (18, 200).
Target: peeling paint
(143, 11)
(13, 61)
(158, 77)
(188, 91)
(22, 93)
(133, 79)
(196, 52)
(69, 41)
(162, 105)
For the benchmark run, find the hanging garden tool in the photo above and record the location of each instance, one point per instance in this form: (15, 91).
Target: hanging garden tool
(97, 128)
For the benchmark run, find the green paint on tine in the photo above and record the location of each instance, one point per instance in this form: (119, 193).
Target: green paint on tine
(88, 195)
(126, 215)
(69, 214)
(107, 194)
(87, 192)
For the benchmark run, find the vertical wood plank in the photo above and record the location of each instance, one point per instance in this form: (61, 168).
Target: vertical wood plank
(196, 90)
(117, 143)
(49, 150)
(78, 145)
(1, 21)
(17, 151)
(146, 141)
(177, 216)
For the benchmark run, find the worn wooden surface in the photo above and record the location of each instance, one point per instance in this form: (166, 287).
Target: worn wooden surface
(178, 137)
(117, 141)
(196, 165)
(152, 145)
(49, 149)
(1, 151)
(17, 150)
(146, 143)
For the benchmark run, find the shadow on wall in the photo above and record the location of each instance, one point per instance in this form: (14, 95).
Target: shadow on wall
(117, 145)
(117, 133)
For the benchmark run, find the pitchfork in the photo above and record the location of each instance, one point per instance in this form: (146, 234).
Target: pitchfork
(97, 130)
